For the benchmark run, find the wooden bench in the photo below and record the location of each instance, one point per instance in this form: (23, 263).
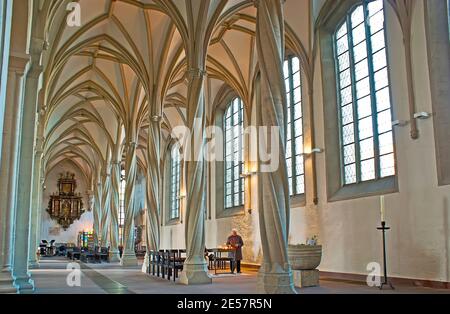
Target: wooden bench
(87, 256)
(74, 254)
(166, 263)
(101, 255)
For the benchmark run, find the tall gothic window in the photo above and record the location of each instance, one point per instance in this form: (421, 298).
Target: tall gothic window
(234, 128)
(294, 148)
(122, 205)
(367, 149)
(448, 15)
(175, 177)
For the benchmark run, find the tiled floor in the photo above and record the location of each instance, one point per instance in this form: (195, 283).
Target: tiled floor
(51, 277)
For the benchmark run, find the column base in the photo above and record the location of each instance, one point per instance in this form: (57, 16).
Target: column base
(5, 275)
(129, 259)
(306, 278)
(6, 283)
(275, 283)
(24, 285)
(33, 264)
(195, 274)
(114, 256)
(144, 268)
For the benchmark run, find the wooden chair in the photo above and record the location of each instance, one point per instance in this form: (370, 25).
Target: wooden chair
(175, 263)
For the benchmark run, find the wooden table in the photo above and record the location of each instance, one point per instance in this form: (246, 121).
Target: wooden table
(218, 261)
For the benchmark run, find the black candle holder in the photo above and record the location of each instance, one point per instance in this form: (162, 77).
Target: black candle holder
(386, 281)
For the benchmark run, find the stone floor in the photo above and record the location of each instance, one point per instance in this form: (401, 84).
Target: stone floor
(51, 277)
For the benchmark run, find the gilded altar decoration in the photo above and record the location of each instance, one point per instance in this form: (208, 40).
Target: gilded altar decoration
(66, 206)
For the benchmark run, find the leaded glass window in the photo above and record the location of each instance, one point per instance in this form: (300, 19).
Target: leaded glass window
(175, 177)
(294, 147)
(367, 145)
(234, 128)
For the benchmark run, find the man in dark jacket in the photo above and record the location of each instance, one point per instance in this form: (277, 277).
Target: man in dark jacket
(235, 241)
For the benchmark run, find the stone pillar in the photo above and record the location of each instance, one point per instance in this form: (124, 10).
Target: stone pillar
(153, 230)
(21, 275)
(275, 275)
(97, 211)
(35, 206)
(114, 256)
(128, 255)
(8, 175)
(6, 8)
(106, 212)
(195, 267)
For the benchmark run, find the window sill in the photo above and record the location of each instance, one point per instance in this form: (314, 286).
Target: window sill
(365, 189)
(173, 222)
(231, 212)
(298, 201)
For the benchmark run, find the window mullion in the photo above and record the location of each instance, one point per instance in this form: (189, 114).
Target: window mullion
(233, 183)
(354, 101)
(373, 99)
(293, 135)
(241, 152)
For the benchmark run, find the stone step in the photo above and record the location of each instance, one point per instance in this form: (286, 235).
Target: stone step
(4, 289)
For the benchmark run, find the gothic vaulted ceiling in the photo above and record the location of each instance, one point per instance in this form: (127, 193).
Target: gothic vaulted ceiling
(104, 80)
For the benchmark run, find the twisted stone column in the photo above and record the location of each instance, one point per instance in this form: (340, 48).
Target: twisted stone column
(8, 171)
(153, 185)
(97, 211)
(114, 255)
(195, 267)
(275, 275)
(153, 190)
(106, 212)
(129, 256)
(22, 278)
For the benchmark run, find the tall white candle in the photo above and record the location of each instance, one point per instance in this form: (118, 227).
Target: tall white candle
(382, 208)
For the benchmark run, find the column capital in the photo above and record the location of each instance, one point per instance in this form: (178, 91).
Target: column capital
(34, 70)
(256, 2)
(18, 64)
(192, 73)
(156, 118)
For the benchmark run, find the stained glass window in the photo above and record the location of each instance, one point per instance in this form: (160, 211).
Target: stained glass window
(175, 177)
(234, 128)
(367, 145)
(294, 148)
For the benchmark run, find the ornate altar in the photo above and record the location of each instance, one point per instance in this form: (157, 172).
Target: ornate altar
(66, 206)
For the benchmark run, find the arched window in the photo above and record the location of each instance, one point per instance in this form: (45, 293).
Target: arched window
(294, 148)
(367, 149)
(122, 204)
(233, 151)
(175, 177)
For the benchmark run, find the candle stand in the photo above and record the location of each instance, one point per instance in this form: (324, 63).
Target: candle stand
(386, 282)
